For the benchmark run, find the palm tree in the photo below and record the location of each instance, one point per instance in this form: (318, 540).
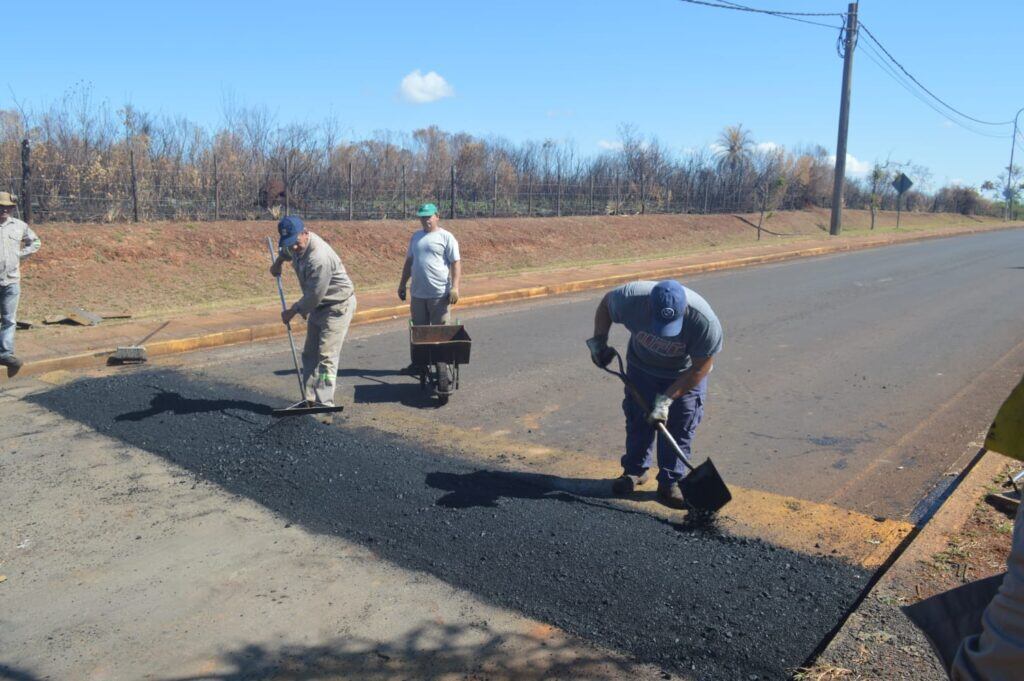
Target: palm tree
(735, 145)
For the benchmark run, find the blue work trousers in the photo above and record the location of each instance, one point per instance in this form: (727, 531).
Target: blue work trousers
(684, 415)
(9, 295)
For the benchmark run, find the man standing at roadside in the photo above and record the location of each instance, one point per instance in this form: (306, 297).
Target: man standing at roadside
(328, 302)
(674, 336)
(17, 241)
(434, 264)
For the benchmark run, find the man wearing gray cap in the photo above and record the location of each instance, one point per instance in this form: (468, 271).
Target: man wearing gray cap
(17, 241)
(328, 302)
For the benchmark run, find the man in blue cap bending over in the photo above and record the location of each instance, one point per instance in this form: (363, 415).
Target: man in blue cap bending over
(328, 302)
(674, 338)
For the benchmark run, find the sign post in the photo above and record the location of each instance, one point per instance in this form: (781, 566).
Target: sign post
(901, 184)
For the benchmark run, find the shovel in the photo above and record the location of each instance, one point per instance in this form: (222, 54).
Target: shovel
(703, 489)
(305, 406)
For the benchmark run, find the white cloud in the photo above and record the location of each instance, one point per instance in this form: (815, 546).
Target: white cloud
(421, 88)
(559, 113)
(609, 146)
(767, 146)
(853, 165)
(716, 148)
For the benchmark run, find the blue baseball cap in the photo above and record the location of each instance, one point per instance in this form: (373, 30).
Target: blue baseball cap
(290, 227)
(668, 307)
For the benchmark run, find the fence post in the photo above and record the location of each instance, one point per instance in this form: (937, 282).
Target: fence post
(350, 190)
(135, 192)
(618, 195)
(287, 189)
(591, 210)
(26, 181)
(494, 196)
(558, 193)
(643, 195)
(405, 209)
(451, 207)
(216, 190)
(529, 196)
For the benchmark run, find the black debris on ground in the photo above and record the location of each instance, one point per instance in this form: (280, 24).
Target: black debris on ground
(704, 604)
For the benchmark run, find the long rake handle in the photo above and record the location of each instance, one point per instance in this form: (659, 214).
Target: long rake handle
(291, 340)
(621, 373)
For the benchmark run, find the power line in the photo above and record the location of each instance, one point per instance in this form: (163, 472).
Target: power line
(781, 14)
(921, 85)
(874, 55)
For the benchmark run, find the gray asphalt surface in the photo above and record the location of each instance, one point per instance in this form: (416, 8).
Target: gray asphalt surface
(855, 379)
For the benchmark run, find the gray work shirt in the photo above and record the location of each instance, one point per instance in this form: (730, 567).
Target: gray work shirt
(17, 241)
(322, 277)
(433, 254)
(701, 336)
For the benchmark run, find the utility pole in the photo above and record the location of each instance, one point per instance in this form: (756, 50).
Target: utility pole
(844, 121)
(1009, 169)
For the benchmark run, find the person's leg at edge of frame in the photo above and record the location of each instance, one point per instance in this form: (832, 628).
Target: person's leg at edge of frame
(333, 331)
(639, 433)
(9, 296)
(419, 311)
(684, 416)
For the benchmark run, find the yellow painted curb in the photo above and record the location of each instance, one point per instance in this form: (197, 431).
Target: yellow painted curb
(376, 314)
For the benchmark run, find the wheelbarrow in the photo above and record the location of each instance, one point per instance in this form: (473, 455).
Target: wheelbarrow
(437, 352)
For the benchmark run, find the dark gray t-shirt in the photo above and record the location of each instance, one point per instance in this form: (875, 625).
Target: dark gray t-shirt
(630, 305)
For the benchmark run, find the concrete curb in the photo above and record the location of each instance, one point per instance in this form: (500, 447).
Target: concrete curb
(931, 538)
(275, 330)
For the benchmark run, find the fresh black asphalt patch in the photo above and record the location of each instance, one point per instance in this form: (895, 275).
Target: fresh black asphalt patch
(696, 603)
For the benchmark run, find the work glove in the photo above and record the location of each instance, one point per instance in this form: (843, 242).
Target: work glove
(659, 410)
(275, 269)
(453, 296)
(401, 293)
(600, 354)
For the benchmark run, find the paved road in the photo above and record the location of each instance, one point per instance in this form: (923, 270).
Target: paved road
(852, 381)
(856, 379)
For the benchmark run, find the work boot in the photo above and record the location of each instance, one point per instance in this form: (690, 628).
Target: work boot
(670, 495)
(12, 363)
(626, 483)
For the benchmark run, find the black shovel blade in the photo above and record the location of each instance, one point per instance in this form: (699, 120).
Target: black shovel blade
(704, 488)
(300, 411)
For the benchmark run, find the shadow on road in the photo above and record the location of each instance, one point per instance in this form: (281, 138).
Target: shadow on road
(173, 403)
(9, 673)
(430, 652)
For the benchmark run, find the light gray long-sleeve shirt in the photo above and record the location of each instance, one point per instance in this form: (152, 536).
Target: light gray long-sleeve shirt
(322, 277)
(17, 241)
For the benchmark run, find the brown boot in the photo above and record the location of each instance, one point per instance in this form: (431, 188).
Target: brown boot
(626, 484)
(670, 495)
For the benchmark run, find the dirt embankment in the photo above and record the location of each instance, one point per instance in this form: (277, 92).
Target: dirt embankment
(159, 267)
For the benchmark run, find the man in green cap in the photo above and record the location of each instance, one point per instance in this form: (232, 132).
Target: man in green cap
(434, 265)
(17, 241)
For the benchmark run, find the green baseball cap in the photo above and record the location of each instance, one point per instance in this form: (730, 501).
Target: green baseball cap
(426, 210)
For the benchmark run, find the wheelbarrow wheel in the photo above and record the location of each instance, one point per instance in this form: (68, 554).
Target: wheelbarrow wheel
(445, 383)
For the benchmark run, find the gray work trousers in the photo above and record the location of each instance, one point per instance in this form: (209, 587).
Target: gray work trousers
(432, 311)
(997, 653)
(326, 328)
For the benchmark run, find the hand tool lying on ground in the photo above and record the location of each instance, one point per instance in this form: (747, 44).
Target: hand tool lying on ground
(703, 489)
(304, 406)
(133, 354)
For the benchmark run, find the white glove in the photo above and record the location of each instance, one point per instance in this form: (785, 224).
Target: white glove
(659, 411)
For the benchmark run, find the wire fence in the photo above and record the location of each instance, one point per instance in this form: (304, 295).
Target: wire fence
(58, 193)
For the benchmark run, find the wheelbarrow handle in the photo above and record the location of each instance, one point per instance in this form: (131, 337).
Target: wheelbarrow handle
(635, 392)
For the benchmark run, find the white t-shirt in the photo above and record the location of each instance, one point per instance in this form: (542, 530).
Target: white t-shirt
(433, 254)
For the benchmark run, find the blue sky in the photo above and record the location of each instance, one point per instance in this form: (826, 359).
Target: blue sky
(534, 70)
